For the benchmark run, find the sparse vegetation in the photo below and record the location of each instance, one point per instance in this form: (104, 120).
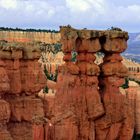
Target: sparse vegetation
(115, 29)
(137, 81)
(74, 56)
(125, 85)
(49, 77)
(54, 48)
(28, 30)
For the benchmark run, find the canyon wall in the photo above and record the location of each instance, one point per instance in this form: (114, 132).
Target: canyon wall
(22, 36)
(87, 105)
(21, 77)
(133, 68)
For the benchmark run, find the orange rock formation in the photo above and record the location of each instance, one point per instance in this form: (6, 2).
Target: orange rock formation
(21, 78)
(87, 104)
(82, 111)
(22, 36)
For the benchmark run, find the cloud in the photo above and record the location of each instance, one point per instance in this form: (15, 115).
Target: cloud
(134, 8)
(79, 13)
(124, 14)
(27, 7)
(8, 4)
(78, 5)
(25, 13)
(86, 5)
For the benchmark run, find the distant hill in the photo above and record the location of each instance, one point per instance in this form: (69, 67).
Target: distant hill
(133, 50)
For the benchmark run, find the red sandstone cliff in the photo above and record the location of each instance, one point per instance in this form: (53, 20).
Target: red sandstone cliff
(21, 78)
(77, 104)
(22, 36)
(88, 104)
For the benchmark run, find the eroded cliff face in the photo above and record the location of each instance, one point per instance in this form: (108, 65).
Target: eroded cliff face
(87, 105)
(22, 36)
(21, 78)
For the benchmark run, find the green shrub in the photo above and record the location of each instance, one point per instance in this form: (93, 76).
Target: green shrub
(50, 77)
(46, 89)
(28, 30)
(125, 85)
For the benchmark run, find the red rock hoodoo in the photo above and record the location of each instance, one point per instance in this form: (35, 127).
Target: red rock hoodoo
(21, 78)
(87, 105)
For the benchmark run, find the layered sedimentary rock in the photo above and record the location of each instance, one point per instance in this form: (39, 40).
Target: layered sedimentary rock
(23, 36)
(78, 110)
(22, 67)
(134, 69)
(118, 122)
(21, 78)
(4, 119)
(133, 94)
(20, 130)
(53, 61)
(87, 104)
(137, 126)
(4, 81)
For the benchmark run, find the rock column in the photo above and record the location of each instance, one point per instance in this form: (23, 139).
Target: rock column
(4, 106)
(118, 121)
(77, 101)
(21, 77)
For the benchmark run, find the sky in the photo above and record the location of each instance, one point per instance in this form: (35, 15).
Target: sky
(50, 14)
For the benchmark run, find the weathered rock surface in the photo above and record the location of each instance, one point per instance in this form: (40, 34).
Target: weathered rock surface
(5, 135)
(133, 94)
(4, 112)
(77, 101)
(22, 68)
(4, 119)
(118, 121)
(114, 124)
(84, 40)
(80, 107)
(21, 77)
(4, 80)
(25, 108)
(21, 131)
(87, 104)
(22, 36)
(38, 132)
